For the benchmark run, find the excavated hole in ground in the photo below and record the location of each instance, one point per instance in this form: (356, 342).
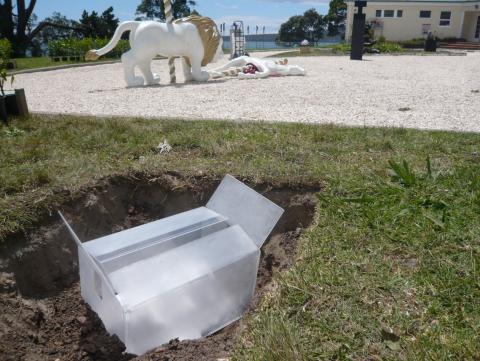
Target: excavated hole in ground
(43, 316)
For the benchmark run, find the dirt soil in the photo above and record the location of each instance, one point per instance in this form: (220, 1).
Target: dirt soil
(43, 315)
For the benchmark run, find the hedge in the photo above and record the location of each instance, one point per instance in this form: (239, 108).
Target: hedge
(78, 47)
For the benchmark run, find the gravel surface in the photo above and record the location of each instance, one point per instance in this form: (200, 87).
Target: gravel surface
(427, 92)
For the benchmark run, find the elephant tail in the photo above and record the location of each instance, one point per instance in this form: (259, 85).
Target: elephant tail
(131, 26)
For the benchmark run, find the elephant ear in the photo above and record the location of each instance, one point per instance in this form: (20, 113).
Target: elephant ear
(208, 31)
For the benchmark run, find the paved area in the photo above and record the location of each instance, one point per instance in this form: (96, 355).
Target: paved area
(427, 92)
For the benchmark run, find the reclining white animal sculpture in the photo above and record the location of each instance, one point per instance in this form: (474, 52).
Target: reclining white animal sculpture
(196, 39)
(247, 67)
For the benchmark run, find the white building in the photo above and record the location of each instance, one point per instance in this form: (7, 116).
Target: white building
(407, 19)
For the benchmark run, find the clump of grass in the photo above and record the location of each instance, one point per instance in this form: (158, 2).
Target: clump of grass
(402, 172)
(13, 132)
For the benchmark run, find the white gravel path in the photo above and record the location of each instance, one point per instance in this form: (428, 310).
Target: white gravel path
(439, 92)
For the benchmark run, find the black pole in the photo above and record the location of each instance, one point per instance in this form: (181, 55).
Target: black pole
(358, 32)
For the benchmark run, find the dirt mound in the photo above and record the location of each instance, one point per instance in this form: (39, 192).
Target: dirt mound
(43, 316)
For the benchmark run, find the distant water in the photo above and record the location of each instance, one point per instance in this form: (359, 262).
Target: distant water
(275, 45)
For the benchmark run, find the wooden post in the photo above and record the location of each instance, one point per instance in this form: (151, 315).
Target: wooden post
(169, 19)
(21, 102)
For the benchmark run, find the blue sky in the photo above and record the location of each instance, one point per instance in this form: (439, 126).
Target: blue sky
(268, 13)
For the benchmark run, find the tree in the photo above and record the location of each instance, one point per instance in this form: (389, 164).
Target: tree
(102, 26)
(154, 9)
(336, 16)
(310, 26)
(314, 25)
(6, 20)
(292, 30)
(65, 28)
(19, 27)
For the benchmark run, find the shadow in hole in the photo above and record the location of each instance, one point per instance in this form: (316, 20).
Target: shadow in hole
(98, 343)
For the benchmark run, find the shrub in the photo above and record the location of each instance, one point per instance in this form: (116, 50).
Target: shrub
(5, 50)
(5, 53)
(382, 47)
(413, 44)
(78, 47)
(341, 48)
(388, 47)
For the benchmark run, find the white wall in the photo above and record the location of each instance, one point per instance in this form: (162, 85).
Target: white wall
(409, 26)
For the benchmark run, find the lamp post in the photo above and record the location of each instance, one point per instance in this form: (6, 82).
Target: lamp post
(263, 38)
(358, 31)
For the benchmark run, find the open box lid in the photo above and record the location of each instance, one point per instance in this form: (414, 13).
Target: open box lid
(244, 206)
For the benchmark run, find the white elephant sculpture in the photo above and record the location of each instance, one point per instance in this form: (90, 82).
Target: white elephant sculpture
(247, 67)
(195, 39)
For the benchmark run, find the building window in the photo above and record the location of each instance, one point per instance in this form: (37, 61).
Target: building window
(388, 13)
(426, 14)
(445, 17)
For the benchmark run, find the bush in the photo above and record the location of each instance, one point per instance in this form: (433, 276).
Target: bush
(78, 47)
(5, 53)
(341, 48)
(413, 44)
(388, 47)
(5, 50)
(381, 46)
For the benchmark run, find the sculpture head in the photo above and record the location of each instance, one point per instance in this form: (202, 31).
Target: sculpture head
(296, 70)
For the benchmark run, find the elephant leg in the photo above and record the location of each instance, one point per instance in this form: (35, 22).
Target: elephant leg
(197, 73)
(145, 68)
(187, 70)
(129, 62)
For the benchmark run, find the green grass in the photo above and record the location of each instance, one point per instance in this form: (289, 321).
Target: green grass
(314, 52)
(38, 62)
(343, 49)
(44, 62)
(388, 270)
